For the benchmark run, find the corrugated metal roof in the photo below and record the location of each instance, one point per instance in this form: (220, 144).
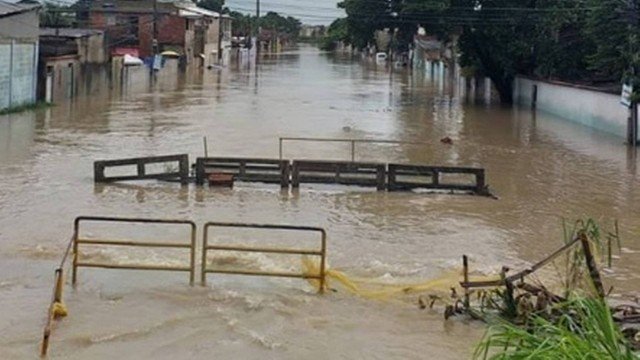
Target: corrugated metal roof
(69, 32)
(7, 8)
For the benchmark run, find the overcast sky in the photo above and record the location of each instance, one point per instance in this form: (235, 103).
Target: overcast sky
(309, 11)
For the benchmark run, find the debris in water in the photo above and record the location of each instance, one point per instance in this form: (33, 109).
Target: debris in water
(446, 140)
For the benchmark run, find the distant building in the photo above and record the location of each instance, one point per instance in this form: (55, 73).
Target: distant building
(191, 31)
(312, 31)
(18, 53)
(68, 57)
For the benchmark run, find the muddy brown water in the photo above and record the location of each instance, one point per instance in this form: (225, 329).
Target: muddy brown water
(542, 169)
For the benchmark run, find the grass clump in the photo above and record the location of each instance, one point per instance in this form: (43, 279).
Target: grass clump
(580, 328)
(25, 107)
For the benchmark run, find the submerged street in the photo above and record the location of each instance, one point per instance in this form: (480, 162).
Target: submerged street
(541, 168)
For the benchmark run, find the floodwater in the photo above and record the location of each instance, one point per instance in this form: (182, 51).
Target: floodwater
(542, 169)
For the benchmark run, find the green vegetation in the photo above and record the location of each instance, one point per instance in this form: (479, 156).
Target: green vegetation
(589, 41)
(337, 32)
(26, 107)
(580, 329)
(243, 25)
(528, 321)
(213, 5)
(57, 16)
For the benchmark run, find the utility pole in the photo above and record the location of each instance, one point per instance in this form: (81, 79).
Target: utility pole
(633, 22)
(257, 30)
(155, 27)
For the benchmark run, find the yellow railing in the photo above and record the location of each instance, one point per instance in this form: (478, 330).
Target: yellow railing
(77, 241)
(56, 301)
(321, 252)
(56, 307)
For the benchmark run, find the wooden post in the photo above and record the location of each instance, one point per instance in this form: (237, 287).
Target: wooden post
(295, 175)
(285, 171)
(200, 175)
(353, 151)
(184, 169)
(381, 178)
(98, 172)
(480, 182)
(391, 177)
(465, 272)
(591, 265)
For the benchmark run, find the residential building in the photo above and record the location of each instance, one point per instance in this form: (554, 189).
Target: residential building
(18, 54)
(69, 60)
(182, 27)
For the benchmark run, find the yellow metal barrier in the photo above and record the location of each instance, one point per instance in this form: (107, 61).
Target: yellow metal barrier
(322, 252)
(56, 301)
(77, 241)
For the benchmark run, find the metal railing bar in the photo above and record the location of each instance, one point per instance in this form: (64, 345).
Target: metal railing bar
(264, 226)
(133, 220)
(133, 243)
(381, 141)
(264, 273)
(134, 267)
(264, 250)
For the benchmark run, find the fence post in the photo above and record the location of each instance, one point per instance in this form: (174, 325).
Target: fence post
(480, 181)
(295, 175)
(98, 172)
(353, 150)
(200, 171)
(381, 178)
(591, 265)
(285, 170)
(184, 169)
(391, 177)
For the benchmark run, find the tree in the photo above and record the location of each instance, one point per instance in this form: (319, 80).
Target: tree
(57, 16)
(283, 25)
(613, 27)
(213, 5)
(337, 32)
(364, 17)
(242, 24)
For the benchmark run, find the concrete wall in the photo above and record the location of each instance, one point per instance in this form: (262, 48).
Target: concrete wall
(20, 27)
(18, 59)
(92, 49)
(18, 74)
(595, 109)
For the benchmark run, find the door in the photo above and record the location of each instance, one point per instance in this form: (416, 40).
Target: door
(48, 95)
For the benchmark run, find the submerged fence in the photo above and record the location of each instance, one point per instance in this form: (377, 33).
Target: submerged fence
(56, 307)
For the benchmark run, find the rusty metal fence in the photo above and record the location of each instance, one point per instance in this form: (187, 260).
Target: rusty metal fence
(321, 252)
(77, 241)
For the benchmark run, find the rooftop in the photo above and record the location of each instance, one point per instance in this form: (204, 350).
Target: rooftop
(7, 8)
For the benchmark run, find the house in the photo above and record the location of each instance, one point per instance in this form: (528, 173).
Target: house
(183, 27)
(312, 32)
(68, 58)
(18, 54)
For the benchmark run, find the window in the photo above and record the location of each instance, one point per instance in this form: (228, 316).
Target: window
(110, 19)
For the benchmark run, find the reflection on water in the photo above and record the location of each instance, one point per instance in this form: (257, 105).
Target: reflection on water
(541, 167)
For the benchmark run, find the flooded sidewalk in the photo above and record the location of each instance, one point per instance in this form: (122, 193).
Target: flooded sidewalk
(542, 168)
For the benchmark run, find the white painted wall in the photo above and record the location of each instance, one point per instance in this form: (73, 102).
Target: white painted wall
(598, 110)
(18, 71)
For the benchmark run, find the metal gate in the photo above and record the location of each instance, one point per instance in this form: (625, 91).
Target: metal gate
(320, 252)
(78, 241)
